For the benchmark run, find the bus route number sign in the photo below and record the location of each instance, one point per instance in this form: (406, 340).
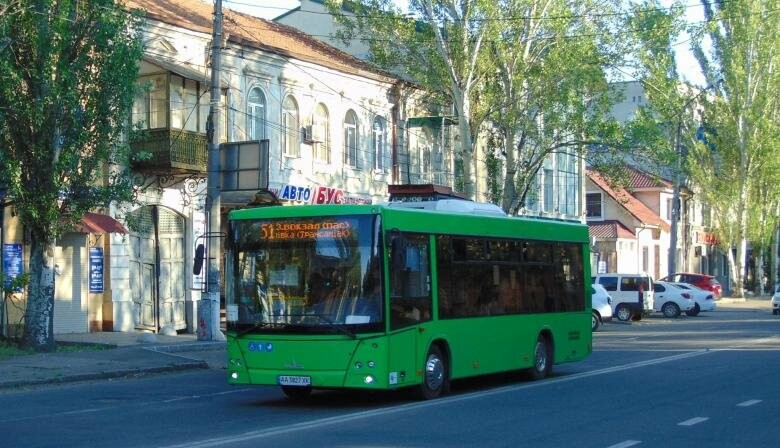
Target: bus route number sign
(280, 231)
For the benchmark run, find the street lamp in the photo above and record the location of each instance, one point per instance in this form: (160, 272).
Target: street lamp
(672, 266)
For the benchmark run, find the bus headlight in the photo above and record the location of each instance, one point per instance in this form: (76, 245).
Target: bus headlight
(234, 375)
(369, 379)
(371, 364)
(358, 365)
(235, 363)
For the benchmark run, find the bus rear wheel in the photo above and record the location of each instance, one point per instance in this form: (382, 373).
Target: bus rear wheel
(435, 381)
(542, 359)
(297, 392)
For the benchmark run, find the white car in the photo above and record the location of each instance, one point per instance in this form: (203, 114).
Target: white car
(601, 302)
(703, 300)
(671, 300)
(776, 301)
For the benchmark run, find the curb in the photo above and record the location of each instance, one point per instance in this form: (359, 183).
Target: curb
(192, 347)
(105, 375)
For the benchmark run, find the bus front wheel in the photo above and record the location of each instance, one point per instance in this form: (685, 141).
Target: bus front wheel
(542, 359)
(435, 381)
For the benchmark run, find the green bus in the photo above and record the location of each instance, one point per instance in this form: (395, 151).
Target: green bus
(401, 295)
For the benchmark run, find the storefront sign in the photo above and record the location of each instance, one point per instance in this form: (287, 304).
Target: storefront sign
(95, 269)
(317, 195)
(12, 263)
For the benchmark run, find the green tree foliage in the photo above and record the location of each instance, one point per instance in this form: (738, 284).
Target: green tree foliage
(67, 78)
(546, 86)
(736, 164)
(439, 46)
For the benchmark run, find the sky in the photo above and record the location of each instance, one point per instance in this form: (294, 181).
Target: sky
(686, 63)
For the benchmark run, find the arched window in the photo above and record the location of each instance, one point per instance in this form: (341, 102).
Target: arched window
(255, 112)
(351, 139)
(378, 142)
(321, 133)
(290, 123)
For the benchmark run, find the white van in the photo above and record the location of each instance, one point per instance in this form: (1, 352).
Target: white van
(632, 294)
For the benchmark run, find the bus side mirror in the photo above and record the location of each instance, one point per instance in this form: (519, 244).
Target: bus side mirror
(197, 265)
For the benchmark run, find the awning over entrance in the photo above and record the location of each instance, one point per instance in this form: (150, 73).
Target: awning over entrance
(99, 223)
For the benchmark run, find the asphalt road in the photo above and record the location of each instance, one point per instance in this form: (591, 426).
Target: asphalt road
(704, 381)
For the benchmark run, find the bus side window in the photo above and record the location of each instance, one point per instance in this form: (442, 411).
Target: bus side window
(410, 280)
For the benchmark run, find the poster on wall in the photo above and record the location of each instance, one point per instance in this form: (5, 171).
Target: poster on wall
(12, 263)
(95, 269)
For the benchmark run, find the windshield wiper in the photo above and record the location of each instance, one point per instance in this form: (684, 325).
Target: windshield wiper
(340, 328)
(255, 326)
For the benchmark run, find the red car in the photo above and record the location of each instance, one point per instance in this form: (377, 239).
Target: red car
(703, 281)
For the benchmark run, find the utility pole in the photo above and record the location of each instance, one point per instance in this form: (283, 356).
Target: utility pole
(208, 311)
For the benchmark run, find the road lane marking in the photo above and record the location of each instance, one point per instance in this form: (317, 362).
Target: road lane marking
(693, 421)
(745, 404)
(625, 444)
(319, 423)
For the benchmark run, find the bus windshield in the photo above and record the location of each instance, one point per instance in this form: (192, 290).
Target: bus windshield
(319, 274)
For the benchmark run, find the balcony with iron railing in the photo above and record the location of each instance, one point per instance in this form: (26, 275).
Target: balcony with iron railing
(170, 151)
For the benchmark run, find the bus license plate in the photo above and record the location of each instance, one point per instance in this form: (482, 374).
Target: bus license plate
(288, 380)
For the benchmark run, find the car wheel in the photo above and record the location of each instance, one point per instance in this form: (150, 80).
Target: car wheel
(623, 313)
(775, 312)
(435, 374)
(670, 309)
(594, 321)
(296, 393)
(542, 359)
(694, 311)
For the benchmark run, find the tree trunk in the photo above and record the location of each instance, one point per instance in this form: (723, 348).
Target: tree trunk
(466, 151)
(737, 268)
(510, 192)
(759, 272)
(39, 315)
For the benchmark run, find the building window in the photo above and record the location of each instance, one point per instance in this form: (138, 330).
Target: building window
(568, 183)
(150, 108)
(669, 209)
(320, 130)
(351, 139)
(171, 101)
(593, 205)
(549, 193)
(255, 112)
(291, 126)
(378, 140)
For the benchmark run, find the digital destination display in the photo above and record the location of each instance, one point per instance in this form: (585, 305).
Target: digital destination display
(280, 231)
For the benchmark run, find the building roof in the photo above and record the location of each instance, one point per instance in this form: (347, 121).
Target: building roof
(266, 35)
(625, 199)
(610, 229)
(642, 180)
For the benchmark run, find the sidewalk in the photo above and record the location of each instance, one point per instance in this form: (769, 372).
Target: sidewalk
(132, 354)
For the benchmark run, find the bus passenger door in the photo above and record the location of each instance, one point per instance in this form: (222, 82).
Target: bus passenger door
(410, 305)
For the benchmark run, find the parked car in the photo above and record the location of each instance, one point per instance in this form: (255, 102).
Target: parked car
(703, 300)
(632, 294)
(703, 281)
(601, 304)
(671, 300)
(776, 301)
